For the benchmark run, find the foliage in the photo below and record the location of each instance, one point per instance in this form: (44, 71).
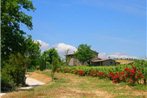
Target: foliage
(6, 79)
(12, 17)
(32, 53)
(91, 86)
(13, 73)
(54, 65)
(15, 51)
(130, 75)
(84, 53)
(50, 59)
(142, 65)
(121, 73)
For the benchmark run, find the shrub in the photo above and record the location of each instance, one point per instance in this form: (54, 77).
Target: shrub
(7, 81)
(93, 73)
(12, 76)
(101, 74)
(13, 72)
(131, 74)
(142, 66)
(81, 72)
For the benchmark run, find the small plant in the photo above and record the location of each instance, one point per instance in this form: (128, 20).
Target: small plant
(54, 68)
(101, 74)
(81, 72)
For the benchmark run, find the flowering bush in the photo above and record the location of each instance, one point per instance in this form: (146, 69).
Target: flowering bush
(122, 73)
(81, 72)
(130, 75)
(133, 75)
(101, 74)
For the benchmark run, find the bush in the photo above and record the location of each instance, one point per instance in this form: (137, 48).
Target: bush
(7, 81)
(81, 72)
(12, 76)
(142, 66)
(13, 73)
(131, 74)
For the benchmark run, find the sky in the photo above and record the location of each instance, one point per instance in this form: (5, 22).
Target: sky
(111, 27)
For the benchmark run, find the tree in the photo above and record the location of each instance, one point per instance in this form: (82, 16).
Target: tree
(52, 58)
(13, 41)
(12, 17)
(84, 53)
(32, 52)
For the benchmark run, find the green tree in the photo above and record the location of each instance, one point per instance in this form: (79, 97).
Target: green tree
(51, 59)
(13, 41)
(12, 17)
(84, 53)
(32, 52)
(54, 66)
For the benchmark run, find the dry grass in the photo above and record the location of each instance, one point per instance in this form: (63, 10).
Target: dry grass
(124, 61)
(73, 86)
(41, 77)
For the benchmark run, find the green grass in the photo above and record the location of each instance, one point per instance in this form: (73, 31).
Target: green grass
(71, 86)
(140, 87)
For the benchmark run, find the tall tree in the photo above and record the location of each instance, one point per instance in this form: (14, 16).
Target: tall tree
(32, 52)
(85, 53)
(12, 17)
(13, 41)
(49, 55)
(52, 58)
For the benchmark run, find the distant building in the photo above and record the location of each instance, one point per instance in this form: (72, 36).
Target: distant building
(72, 60)
(104, 62)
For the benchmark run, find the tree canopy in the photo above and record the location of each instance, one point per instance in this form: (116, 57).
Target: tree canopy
(12, 17)
(50, 59)
(32, 52)
(16, 47)
(84, 53)
(49, 55)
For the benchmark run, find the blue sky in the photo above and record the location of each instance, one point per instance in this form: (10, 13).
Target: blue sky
(109, 26)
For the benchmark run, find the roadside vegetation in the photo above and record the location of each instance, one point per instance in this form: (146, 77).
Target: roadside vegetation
(71, 86)
(134, 74)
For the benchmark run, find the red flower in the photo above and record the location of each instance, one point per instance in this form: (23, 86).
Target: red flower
(126, 69)
(101, 74)
(81, 72)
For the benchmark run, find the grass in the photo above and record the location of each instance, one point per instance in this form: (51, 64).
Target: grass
(124, 61)
(71, 86)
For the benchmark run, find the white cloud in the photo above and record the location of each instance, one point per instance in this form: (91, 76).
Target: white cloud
(62, 48)
(103, 55)
(116, 55)
(121, 55)
(44, 46)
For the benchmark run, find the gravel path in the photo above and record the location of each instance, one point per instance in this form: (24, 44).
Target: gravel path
(30, 82)
(33, 82)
